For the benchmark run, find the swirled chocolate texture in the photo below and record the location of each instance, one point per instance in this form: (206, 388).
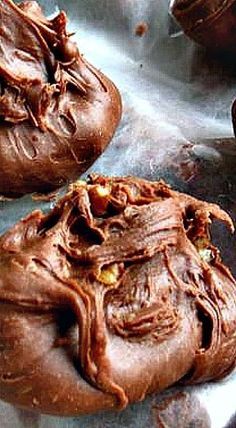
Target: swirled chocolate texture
(211, 23)
(115, 294)
(57, 112)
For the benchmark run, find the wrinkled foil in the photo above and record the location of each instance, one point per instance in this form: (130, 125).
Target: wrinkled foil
(176, 126)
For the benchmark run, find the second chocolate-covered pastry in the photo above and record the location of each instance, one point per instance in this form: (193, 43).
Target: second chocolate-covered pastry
(116, 293)
(57, 112)
(211, 23)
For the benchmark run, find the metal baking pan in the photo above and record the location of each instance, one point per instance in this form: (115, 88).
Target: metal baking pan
(176, 125)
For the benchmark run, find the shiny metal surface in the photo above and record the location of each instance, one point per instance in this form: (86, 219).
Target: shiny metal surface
(176, 125)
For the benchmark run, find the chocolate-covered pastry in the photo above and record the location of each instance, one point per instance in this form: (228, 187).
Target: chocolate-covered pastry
(116, 293)
(57, 112)
(211, 23)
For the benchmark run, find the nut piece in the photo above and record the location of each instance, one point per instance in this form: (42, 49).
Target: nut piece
(202, 245)
(99, 197)
(102, 191)
(77, 184)
(205, 254)
(109, 275)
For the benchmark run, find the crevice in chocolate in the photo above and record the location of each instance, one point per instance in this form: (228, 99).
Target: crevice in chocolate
(207, 329)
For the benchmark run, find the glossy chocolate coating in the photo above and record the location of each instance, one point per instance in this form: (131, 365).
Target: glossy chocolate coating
(116, 293)
(57, 112)
(211, 23)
